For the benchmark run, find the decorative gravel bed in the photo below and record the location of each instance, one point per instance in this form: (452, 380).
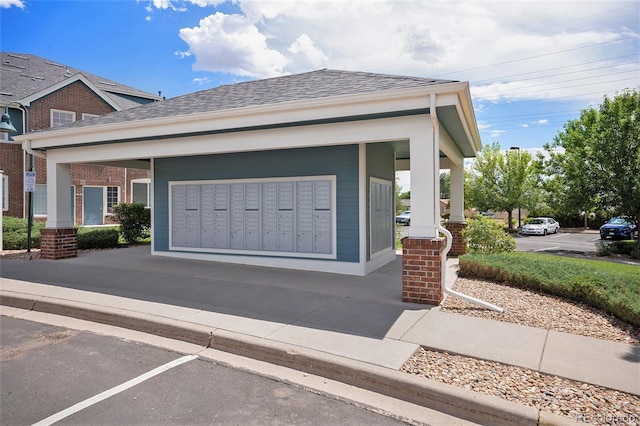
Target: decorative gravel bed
(579, 401)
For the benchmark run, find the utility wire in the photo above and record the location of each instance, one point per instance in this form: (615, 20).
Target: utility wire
(562, 67)
(540, 56)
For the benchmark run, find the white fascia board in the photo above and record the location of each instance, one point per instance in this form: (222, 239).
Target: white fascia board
(449, 148)
(118, 91)
(263, 115)
(64, 83)
(466, 105)
(380, 130)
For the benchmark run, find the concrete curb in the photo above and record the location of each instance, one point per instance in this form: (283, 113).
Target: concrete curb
(441, 397)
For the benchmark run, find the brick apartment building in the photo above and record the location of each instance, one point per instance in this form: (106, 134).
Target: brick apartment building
(40, 94)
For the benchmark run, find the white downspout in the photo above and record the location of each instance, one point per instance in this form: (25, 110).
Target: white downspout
(26, 145)
(439, 228)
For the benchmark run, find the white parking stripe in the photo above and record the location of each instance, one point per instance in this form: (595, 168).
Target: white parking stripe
(114, 391)
(548, 248)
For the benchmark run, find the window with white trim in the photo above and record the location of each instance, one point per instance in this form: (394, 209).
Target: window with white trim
(141, 191)
(60, 117)
(40, 200)
(113, 197)
(85, 115)
(5, 193)
(4, 137)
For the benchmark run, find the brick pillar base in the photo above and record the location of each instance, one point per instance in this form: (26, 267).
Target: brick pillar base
(421, 270)
(458, 246)
(59, 243)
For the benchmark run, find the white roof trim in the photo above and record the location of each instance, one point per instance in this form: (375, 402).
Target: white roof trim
(64, 83)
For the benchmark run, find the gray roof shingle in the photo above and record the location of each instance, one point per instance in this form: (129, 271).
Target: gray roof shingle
(297, 87)
(22, 75)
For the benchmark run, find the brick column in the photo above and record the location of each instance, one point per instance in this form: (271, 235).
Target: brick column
(421, 270)
(458, 246)
(58, 243)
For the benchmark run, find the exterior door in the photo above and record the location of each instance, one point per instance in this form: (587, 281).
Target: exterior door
(93, 199)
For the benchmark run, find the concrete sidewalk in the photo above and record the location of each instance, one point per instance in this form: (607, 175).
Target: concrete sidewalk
(352, 329)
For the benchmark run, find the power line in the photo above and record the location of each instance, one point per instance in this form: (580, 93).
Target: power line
(510, 92)
(540, 56)
(565, 66)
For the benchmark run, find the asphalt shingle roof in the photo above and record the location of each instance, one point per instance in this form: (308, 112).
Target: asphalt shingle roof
(22, 75)
(297, 87)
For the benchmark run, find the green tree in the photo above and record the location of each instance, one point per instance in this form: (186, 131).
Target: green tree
(595, 159)
(445, 185)
(502, 182)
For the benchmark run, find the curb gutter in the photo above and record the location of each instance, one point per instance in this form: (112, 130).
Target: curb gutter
(448, 399)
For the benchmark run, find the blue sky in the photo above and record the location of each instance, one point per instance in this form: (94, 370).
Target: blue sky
(532, 65)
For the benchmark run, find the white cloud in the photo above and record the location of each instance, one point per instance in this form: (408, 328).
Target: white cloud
(201, 81)
(543, 121)
(231, 44)
(525, 125)
(182, 54)
(304, 46)
(6, 4)
(509, 51)
(496, 133)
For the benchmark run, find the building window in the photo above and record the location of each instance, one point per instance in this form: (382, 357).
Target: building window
(141, 191)
(59, 117)
(85, 115)
(40, 200)
(113, 197)
(4, 137)
(5, 193)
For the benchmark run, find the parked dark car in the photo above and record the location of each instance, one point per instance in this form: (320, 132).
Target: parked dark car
(619, 227)
(404, 218)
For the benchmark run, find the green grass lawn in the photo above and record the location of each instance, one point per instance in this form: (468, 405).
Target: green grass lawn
(612, 287)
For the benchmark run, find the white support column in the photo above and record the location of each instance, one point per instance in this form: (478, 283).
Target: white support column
(456, 202)
(423, 198)
(58, 195)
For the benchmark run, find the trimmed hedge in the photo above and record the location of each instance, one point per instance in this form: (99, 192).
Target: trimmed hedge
(97, 238)
(611, 287)
(14, 235)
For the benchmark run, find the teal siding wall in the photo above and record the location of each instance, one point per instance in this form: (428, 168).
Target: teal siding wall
(341, 161)
(380, 164)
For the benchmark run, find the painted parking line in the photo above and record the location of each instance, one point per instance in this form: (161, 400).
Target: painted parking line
(558, 235)
(114, 391)
(548, 248)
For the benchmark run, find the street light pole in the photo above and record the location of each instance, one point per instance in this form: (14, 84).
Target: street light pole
(7, 127)
(519, 216)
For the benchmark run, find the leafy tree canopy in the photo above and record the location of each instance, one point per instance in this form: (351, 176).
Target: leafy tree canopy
(595, 159)
(502, 181)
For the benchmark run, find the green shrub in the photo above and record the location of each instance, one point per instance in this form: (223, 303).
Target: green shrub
(97, 238)
(14, 233)
(611, 287)
(134, 220)
(487, 236)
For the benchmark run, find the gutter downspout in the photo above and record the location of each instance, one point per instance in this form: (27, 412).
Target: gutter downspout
(26, 145)
(439, 228)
